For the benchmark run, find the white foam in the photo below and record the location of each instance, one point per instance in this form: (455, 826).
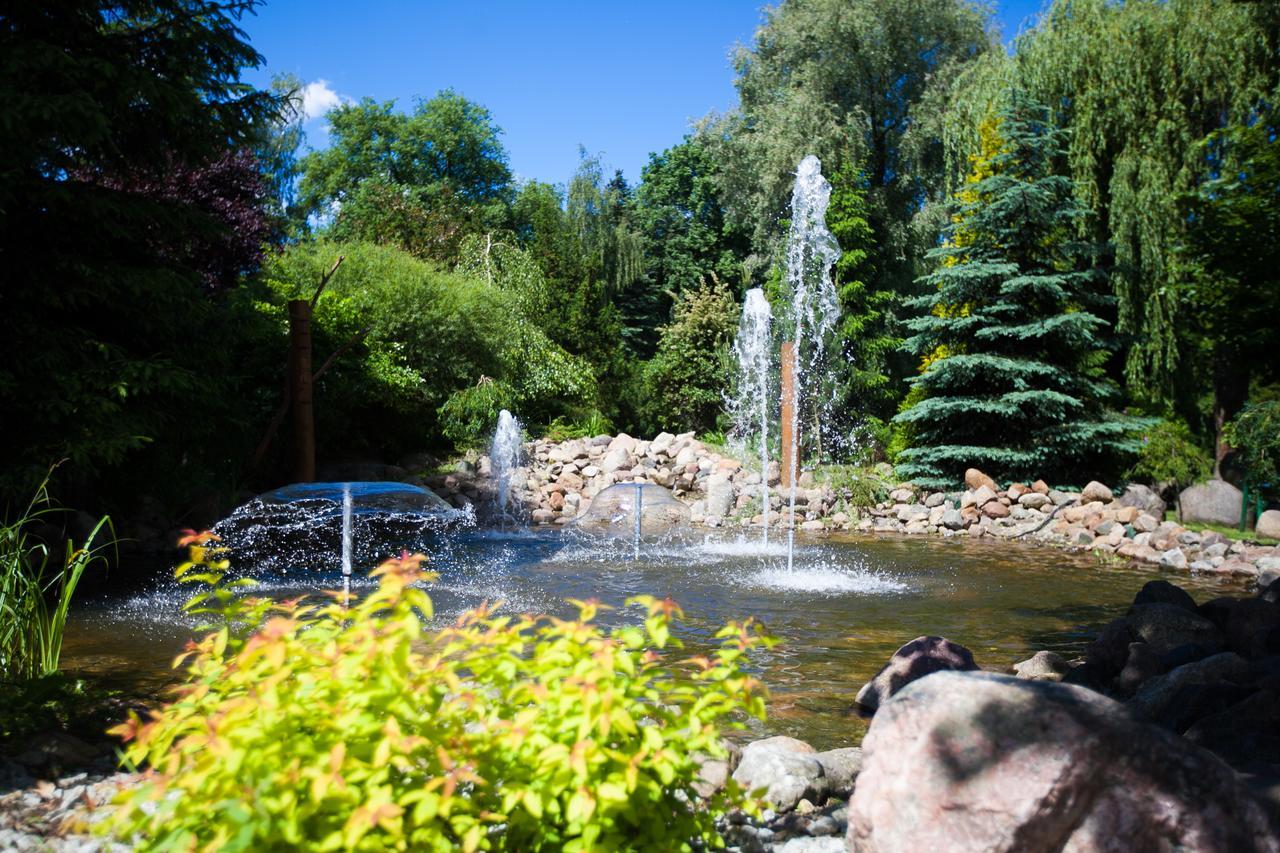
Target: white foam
(822, 580)
(741, 548)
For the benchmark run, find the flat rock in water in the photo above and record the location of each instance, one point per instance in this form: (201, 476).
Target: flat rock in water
(977, 761)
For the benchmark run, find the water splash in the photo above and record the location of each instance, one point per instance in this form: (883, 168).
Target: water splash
(346, 543)
(751, 404)
(504, 456)
(811, 252)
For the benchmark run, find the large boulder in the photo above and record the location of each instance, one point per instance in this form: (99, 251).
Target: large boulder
(978, 761)
(1096, 491)
(1163, 592)
(975, 479)
(1144, 499)
(1268, 524)
(1166, 626)
(1214, 502)
(916, 659)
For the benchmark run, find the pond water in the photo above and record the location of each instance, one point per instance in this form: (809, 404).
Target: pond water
(848, 604)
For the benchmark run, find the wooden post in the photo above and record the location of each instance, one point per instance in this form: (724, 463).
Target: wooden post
(304, 427)
(789, 441)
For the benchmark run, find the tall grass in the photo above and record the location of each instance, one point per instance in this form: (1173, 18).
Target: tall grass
(36, 590)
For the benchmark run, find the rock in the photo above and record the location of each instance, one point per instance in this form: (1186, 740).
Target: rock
(1246, 734)
(1253, 627)
(975, 479)
(982, 495)
(1042, 666)
(1214, 502)
(786, 768)
(1034, 500)
(1063, 498)
(719, 495)
(1163, 592)
(902, 496)
(1144, 499)
(1154, 697)
(1141, 664)
(1167, 626)
(1174, 558)
(543, 516)
(617, 457)
(977, 761)
(995, 509)
(916, 659)
(1096, 491)
(841, 767)
(812, 526)
(1268, 524)
(1145, 523)
(952, 520)
(908, 512)
(1040, 487)
(935, 499)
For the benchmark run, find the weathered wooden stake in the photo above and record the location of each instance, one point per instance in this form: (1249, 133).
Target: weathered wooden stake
(789, 422)
(304, 426)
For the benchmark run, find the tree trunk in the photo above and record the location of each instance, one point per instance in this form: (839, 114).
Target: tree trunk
(1230, 390)
(304, 428)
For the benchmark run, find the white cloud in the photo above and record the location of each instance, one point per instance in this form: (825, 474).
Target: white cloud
(318, 98)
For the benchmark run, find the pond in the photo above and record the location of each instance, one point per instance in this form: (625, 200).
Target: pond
(848, 604)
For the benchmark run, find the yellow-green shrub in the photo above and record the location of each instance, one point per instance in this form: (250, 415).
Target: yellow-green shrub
(315, 725)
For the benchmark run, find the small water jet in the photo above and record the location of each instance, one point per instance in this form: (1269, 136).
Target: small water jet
(811, 252)
(751, 403)
(504, 456)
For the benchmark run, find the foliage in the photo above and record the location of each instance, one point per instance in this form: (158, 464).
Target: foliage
(107, 106)
(1170, 456)
(30, 628)
(1255, 435)
(1013, 385)
(685, 380)
(845, 81)
(1231, 262)
(587, 426)
(679, 214)
(318, 725)
(1140, 84)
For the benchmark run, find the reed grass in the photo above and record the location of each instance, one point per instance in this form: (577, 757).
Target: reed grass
(36, 589)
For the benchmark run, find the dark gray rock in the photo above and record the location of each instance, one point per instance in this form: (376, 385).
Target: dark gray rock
(1141, 665)
(916, 659)
(1154, 697)
(1042, 666)
(1163, 592)
(965, 761)
(1166, 626)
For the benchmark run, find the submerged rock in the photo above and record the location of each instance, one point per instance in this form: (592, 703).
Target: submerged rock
(977, 761)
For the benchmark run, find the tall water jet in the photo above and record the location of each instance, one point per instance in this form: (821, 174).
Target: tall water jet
(811, 252)
(346, 543)
(504, 456)
(751, 401)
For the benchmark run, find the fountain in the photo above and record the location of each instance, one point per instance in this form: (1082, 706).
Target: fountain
(811, 252)
(346, 543)
(504, 456)
(750, 405)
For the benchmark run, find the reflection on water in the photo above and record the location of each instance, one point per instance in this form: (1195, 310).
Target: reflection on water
(847, 606)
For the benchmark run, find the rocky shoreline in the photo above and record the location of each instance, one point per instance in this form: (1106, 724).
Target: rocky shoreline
(558, 482)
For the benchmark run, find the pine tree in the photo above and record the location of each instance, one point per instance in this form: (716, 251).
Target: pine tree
(1013, 382)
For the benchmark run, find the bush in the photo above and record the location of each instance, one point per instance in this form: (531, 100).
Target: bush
(685, 380)
(1170, 456)
(1255, 435)
(325, 727)
(430, 340)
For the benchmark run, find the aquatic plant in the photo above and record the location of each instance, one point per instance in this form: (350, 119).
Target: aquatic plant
(36, 592)
(327, 726)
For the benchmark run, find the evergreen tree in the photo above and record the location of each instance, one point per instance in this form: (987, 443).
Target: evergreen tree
(1013, 385)
(864, 343)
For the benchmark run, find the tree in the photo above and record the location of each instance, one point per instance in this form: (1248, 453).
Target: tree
(277, 151)
(1013, 385)
(1139, 84)
(679, 214)
(388, 175)
(1231, 290)
(864, 342)
(844, 80)
(685, 380)
(109, 109)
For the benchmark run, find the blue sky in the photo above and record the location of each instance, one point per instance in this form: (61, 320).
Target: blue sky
(621, 79)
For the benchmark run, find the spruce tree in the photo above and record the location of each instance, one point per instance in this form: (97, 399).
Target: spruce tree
(1012, 382)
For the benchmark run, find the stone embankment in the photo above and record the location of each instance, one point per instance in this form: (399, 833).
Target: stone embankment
(559, 480)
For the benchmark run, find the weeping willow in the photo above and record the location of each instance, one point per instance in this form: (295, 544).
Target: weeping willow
(1139, 84)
